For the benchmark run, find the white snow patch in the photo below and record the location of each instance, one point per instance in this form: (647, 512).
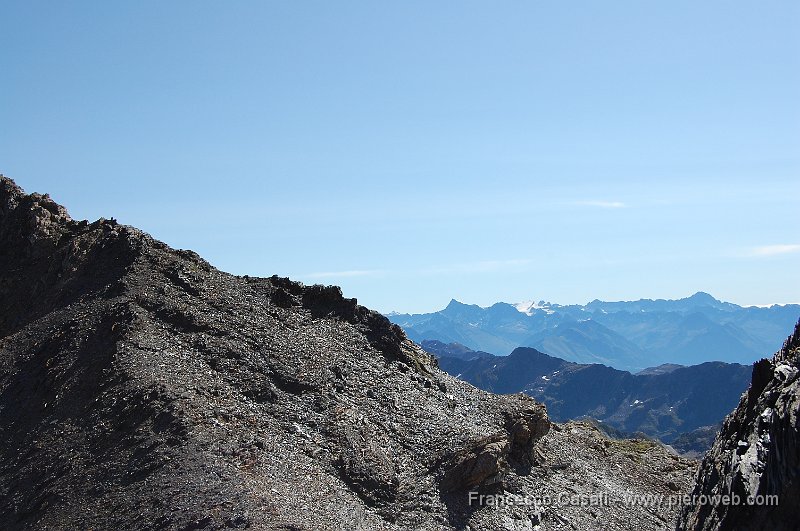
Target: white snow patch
(530, 307)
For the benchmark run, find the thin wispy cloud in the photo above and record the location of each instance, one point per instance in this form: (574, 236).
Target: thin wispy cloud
(773, 250)
(600, 204)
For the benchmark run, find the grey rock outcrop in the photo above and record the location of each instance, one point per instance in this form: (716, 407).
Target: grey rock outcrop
(488, 459)
(755, 459)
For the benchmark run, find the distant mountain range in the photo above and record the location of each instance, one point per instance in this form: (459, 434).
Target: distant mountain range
(626, 335)
(663, 402)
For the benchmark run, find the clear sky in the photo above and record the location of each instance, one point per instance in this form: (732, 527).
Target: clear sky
(414, 152)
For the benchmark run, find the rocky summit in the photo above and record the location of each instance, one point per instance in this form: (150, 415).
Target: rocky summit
(141, 388)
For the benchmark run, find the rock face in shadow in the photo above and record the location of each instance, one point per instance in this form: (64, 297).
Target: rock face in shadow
(141, 388)
(756, 456)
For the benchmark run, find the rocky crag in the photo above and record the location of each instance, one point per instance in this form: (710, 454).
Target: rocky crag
(141, 388)
(755, 459)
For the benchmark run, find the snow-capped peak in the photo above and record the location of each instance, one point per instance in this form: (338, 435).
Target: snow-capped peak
(529, 307)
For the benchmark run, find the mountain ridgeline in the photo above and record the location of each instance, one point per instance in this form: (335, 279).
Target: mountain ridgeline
(625, 335)
(141, 388)
(664, 402)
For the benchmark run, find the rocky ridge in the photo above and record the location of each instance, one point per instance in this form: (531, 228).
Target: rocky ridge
(756, 454)
(141, 388)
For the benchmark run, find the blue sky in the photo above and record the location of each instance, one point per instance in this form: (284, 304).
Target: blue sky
(414, 152)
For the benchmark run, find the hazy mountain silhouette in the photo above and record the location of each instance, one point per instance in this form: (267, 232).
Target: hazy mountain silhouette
(662, 402)
(626, 335)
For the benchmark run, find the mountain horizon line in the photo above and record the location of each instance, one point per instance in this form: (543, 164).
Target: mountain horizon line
(542, 303)
(628, 335)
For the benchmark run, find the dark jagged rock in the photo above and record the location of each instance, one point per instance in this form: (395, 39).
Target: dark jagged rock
(756, 454)
(141, 388)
